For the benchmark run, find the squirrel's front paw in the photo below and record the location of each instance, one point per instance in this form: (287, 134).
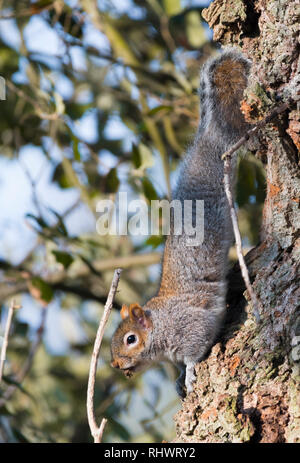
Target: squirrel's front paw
(190, 377)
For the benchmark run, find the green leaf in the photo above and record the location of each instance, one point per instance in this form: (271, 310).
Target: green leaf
(194, 29)
(136, 157)
(21, 438)
(119, 44)
(157, 109)
(21, 328)
(111, 181)
(61, 178)
(59, 103)
(41, 290)
(60, 226)
(41, 222)
(63, 258)
(4, 411)
(149, 189)
(9, 60)
(70, 23)
(146, 155)
(154, 241)
(76, 110)
(13, 382)
(76, 151)
(172, 7)
(119, 429)
(43, 3)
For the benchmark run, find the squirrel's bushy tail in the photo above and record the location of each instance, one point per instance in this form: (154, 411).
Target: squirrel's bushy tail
(223, 81)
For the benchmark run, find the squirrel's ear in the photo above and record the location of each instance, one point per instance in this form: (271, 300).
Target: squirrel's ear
(138, 315)
(124, 311)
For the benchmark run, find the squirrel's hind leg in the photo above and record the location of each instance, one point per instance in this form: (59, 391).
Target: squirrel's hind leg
(184, 382)
(190, 377)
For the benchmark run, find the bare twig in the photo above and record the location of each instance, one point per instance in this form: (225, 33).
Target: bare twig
(34, 347)
(29, 361)
(238, 240)
(280, 109)
(132, 260)
(17, 280)
(227, 184)
(33, 186)
(12, 307)
(96, 431)
(165, 32)
(39, 111)
(24, 12)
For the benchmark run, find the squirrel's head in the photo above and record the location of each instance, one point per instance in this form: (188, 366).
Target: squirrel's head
(130, 339)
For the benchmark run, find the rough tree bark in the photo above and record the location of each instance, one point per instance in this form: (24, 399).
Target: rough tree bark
(247, 389)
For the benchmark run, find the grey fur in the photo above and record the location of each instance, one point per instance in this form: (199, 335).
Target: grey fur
(189, 308)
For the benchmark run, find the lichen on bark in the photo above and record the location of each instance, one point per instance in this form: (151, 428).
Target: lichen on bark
(247, 389)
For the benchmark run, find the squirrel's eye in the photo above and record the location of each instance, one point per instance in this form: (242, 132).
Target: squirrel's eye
(130, 339)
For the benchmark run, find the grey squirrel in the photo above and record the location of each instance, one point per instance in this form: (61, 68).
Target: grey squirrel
(182, 321)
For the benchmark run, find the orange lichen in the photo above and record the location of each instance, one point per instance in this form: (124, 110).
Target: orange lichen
(210, 413)
(234, 364)
(293, 131)
(273, 190)
(246, 109)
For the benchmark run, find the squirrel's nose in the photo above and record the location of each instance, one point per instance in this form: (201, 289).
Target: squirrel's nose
(115, 364)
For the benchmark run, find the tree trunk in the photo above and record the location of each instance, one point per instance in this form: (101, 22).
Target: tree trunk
(247, 390)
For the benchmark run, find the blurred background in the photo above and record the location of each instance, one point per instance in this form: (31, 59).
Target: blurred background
(101, 97)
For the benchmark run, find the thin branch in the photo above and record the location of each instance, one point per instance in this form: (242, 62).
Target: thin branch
(33, 186)
(12, 307)
(76, 283)
(34, 347)
(25, 12)
(102, 265)
(227, 184)
(238, 240)
(96, 431)
(29, 361)
(280, 109)
(39, 111)
(165, 32)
